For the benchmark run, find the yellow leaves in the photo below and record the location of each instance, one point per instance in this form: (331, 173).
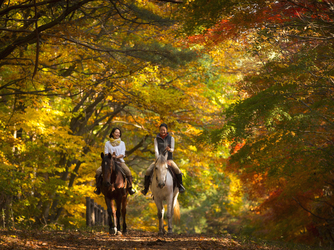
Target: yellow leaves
(180, 97)
(36, 120)
(191, 130)
(235, 194)
(109, 98)
(4, 163)
(41, 130)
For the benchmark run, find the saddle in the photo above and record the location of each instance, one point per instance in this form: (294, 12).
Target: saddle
(118, 168)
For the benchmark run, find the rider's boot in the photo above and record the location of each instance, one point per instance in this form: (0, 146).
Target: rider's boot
(98, 185)
(146, 184)
(180, 184)
(130, 189)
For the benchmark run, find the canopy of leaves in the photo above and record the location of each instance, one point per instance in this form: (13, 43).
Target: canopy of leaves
(281, 129)
(73, 70)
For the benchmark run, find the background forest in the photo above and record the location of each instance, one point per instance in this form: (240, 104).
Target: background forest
(246, 88)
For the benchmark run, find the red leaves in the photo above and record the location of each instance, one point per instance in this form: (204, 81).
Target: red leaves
(222, 30)
(258, 16)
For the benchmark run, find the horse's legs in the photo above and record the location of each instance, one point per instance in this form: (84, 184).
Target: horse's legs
(118, 214)
(112, 218)
(110, 210)
(170, 212)
(124, 203)
(160, 215)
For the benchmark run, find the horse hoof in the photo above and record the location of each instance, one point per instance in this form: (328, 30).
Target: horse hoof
(169, 233)
(119, 233)
(113, 231)
(161, 234)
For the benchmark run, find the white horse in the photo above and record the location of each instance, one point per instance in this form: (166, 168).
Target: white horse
(163, 191)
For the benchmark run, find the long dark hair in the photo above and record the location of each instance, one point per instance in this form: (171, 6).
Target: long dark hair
(113, 130)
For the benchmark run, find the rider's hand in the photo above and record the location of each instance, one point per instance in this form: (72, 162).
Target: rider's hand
(168, 149)
(119, 156)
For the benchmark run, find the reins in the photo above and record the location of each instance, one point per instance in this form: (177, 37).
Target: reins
(163, 153)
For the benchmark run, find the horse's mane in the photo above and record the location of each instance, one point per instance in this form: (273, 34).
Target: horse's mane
(115, 166)
(161, 160)
(116, 169)
(117, 175)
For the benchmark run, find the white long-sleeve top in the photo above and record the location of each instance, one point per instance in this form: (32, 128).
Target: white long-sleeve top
(119, 150)
(156, 150)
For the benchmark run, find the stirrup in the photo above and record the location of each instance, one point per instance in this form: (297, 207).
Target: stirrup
(131, 191)
(144, 192)
(181, 189)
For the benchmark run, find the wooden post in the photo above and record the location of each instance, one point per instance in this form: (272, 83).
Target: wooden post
(95, 214)
(92, 212)
(98, 215)
(106, 218)
(88, 213)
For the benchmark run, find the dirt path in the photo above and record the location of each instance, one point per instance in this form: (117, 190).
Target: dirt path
(133, 240)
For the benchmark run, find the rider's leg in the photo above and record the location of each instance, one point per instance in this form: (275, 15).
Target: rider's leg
(130, 189)
(178, 174)
(147, 179)
(128, 174)
(98, 181)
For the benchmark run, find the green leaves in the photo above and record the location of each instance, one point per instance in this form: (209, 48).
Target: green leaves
(281, 128)
(101, 64)
(163, 54)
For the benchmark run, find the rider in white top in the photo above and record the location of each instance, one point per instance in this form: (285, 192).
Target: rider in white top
(118, 150)
(117, 146)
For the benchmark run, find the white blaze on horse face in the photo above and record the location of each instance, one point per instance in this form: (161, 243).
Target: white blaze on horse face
(161, 174)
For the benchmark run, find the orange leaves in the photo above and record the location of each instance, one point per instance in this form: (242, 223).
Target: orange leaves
(237, 147)
(220, 32)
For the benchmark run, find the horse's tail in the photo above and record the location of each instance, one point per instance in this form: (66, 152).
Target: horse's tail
(177, 214)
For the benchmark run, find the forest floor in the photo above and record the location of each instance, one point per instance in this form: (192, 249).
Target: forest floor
(37, 239)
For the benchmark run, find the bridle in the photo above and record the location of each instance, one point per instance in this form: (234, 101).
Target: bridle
(156, 176)
(108, 164)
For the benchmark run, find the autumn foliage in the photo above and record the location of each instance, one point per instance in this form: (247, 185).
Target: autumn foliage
(73, 70)
(246, 88)
(283, 120)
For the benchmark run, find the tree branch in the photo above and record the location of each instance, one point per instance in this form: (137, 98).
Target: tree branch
(137, 146)
(37, 42)
(309, 210)
(32, 37)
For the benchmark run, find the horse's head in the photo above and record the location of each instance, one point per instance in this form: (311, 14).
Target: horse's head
(107, 168)
(160, 170)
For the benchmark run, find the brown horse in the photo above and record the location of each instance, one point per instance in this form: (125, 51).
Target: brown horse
(114, 189)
